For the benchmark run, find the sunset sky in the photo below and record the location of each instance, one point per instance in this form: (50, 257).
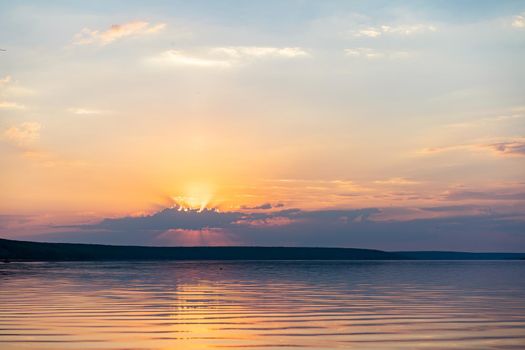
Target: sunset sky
(377, 124)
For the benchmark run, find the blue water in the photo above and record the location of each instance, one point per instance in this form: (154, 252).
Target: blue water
(263, 305)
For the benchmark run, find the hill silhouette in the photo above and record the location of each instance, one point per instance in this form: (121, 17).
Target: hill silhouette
(13, 250)
(22, 250)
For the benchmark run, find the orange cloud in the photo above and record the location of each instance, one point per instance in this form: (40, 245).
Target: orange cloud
(513, 147)
(397, 181)
(116, 32)
(22, 134)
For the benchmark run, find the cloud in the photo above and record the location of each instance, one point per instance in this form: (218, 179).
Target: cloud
(266, 222)
(225, 57)
(490, 196)
(442, 149)
(116, 32)
(263, 206)
(482, 230)
(239, 52)
(370, 32)
(86, 111)
(404, 30)
(456, 208)
(510, 148)
(180, 58)
(23, 134)
(24, 138)
(11, 105)
(397, 181)
(5, 80)
(10, 88)
(518, 21)
(488, 121)
(368, 53)
(189, 219)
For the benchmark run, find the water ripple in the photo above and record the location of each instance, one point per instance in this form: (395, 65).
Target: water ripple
(270, 305)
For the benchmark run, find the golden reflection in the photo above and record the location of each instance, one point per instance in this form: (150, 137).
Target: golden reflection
(209, 305)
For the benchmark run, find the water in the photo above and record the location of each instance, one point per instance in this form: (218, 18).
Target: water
(263, 305)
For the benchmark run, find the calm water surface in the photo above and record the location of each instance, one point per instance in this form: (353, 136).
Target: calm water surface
(268, 305)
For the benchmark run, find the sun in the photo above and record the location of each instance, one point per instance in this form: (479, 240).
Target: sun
(195, 196)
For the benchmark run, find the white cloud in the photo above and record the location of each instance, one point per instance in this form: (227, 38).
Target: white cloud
(368, 53)
(239, 52)
(10, 87)
(180, 58)
(11, 105)
(5, 91)
(23, 134)
(227, 56)
(369, 32)
(518, 21)
(116, 32)
(410, 29)
(85, 111)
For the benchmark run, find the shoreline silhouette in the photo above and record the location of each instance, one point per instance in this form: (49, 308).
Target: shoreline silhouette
(14, 250)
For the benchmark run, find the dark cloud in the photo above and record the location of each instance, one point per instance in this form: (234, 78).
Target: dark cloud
(7, 220)
(174, 218)
(265, 206)
(170, 218)
(516, 148)
(466, 195)
(484, 231)
(447, 208)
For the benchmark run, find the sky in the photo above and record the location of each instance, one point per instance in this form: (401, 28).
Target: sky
(396, 125)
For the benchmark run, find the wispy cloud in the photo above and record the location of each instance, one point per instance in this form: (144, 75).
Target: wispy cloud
(239, 52)
(86, 111)
(225, 57)
(510, 148)
(5, 80)
(518, 21)
(10, 89)
(369, 53)
(116, 32)
(485, 195)
(488, 120)
(181, 58)
(397, 181)
(11, 105)
(515, 147)
(405, 30)
(24, 137)
(23, 134)
(265, 206)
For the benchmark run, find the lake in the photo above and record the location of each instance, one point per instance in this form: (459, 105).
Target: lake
(263, 305)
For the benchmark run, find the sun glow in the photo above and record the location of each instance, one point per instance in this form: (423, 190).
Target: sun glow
(196, 196)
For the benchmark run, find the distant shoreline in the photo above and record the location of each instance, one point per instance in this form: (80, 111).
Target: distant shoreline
(13, 250)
